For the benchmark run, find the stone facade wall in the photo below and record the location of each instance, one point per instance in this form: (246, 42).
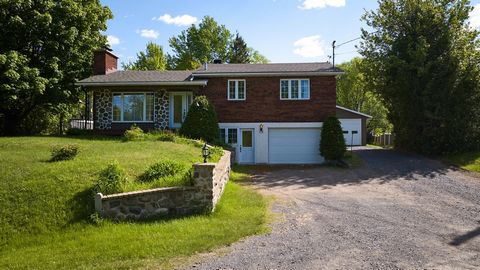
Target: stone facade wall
(161, 109)
(103, 115)
(209, 183)
(103, 109)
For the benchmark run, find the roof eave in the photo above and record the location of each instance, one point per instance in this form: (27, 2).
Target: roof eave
(355, 112)
(254, 74)
(146, 83)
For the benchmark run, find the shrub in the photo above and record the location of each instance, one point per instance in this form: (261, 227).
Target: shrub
(66, 152)
(111, 180)
(161, 169)
(134, 133)
(332, 143)
(201, 121)
(78, 132)
(166, 136)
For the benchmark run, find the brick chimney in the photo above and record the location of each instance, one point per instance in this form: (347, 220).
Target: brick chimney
(104, 62)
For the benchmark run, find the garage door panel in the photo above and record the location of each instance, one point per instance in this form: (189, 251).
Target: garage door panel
(294, 146)
(350, 125)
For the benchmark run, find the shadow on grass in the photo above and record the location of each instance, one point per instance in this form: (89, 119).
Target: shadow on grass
(82, 205)
(379, 165)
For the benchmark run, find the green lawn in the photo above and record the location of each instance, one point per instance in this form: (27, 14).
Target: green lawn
(468, 161)
(45, 208)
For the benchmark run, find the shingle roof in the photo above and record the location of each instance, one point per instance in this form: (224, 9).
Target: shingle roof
(267, 68)
(185, 77)
(141, 76)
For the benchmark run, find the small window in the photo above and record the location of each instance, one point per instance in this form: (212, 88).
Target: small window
(354, 132)
(295, 89)
(345, 132)
(232, 136)
(222, 135)
(236, 90)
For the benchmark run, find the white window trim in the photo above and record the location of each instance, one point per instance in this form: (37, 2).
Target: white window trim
(236, 90)
(299, 89)
(144, 106)
(225, 139)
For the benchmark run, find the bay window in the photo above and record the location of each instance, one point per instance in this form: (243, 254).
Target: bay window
(132, 107)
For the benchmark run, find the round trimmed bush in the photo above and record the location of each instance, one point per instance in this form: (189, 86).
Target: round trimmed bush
(332, 143)
(201, 121)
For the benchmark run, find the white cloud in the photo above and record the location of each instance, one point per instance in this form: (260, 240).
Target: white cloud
(182, 20)
(312, 4)
(311, 46)
(149, 33)
(475, 17)
(113, 40)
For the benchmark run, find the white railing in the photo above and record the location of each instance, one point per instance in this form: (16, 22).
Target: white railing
(81, 124)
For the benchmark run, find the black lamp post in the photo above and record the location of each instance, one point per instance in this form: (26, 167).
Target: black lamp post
(205, 153)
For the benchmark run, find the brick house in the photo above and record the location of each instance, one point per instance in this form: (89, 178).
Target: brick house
(271, 113)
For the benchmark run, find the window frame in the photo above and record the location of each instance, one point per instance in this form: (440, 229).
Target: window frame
(299, 80)
(236, 89)
(122, 94)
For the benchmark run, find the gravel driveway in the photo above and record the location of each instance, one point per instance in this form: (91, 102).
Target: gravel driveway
(396, 211)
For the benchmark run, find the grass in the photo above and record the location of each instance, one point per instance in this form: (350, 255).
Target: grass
(469, 161)
(37, 196)
(46, 206)
(241, 212)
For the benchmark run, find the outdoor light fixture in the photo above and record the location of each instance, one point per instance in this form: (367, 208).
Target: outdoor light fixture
(261, 128)
(205, 153)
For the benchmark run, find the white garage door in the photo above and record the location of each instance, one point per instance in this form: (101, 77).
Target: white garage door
(294, 146)
(352, 131)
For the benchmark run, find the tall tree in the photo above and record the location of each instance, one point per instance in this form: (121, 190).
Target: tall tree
(423, 60)
(256, 57)
(355, 92)
(239, 53)
(152, 59)
(45, 46)
(198, 45)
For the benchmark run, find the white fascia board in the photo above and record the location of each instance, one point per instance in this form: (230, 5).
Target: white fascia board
(259, 74)
(355, 112)
(189, 83)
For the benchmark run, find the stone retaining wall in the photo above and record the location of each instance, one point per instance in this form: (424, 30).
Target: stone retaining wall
(209, 180)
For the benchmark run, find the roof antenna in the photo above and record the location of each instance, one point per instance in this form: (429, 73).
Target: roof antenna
(333, 53)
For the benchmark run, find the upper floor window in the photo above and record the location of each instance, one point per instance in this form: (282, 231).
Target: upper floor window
(295, 89)
(132, 107)
(236, 90)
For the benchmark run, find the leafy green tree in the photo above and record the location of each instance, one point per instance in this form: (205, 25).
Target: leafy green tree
(239, 53)
(201, 121)
(152, 59)
(423, 60)
(332, 143)
(256, 57)
(45, 46)
(198, 45)
(355, 92)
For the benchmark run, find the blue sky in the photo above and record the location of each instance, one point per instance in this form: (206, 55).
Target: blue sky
(282, 30)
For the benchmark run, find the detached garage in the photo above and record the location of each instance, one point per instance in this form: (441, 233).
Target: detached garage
(354, 126)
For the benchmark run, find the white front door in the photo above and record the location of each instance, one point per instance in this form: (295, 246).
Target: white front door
(246, 146)
(179, 104)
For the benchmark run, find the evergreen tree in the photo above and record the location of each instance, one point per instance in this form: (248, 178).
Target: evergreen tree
(239, 53)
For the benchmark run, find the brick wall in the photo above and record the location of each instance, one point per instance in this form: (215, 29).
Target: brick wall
(263, 102)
